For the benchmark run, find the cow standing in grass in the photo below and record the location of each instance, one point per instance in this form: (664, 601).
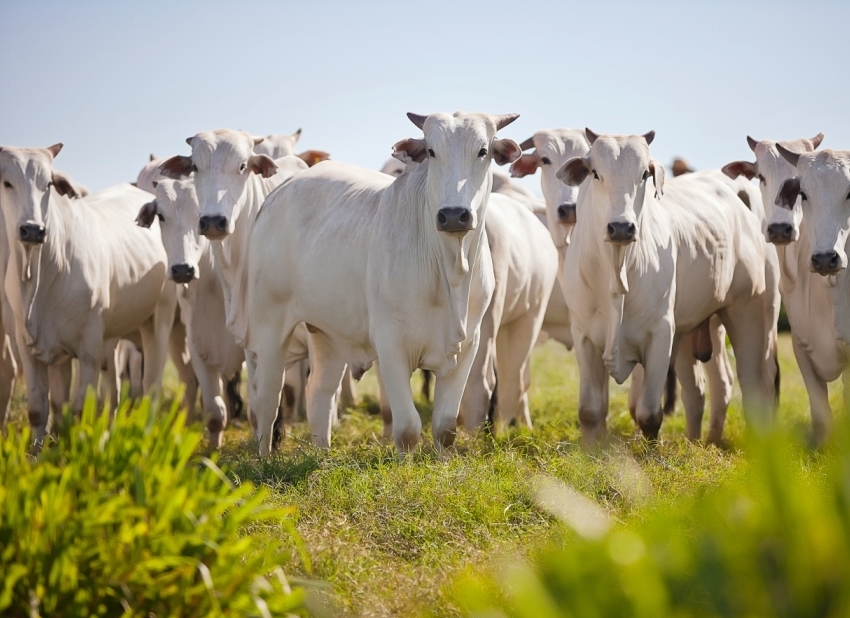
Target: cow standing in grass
(642, 271)
(394, 270)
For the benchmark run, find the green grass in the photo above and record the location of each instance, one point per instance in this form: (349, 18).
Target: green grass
(390, 538)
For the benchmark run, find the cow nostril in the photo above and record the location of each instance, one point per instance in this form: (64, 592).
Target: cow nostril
(202, 225)
(221, 224)
(631, 230)
(441, 217)
(611, 230)
(464, 217)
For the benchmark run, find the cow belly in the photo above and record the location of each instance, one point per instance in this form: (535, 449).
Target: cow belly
(132, 304)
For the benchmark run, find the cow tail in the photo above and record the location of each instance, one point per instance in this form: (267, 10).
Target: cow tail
(670, 392)
(776, 382)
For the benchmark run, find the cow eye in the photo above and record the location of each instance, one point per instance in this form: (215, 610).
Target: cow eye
(545, 161)
(761, 179)
(803, 196)
(160, 217)
(7, 184)
(194, 167)
(595, 175)
(482, 152)
(431, 153)
(646, 174)
(243, 167)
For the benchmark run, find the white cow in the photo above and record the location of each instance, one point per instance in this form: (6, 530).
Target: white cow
(231, 183)
(807, 197)
(665, 265)
(80, 274)
(397, 271)
(215, 356)
(525, 265)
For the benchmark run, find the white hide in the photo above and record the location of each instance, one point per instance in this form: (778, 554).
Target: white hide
(525, 265)
(358, 257)
(818, 195)
(96, 277)
(697, 251)
(806, 295)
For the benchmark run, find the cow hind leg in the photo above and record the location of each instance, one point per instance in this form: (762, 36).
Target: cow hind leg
(514, 345)
(59, 379)
(384, 403)
(749, 333)
(233, 398)
(721, 379)
(691, 377)
(481, 383)
(325, 378)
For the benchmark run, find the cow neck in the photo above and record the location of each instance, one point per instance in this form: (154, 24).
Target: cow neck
(445, 263)
(231, 255)
(39, 267)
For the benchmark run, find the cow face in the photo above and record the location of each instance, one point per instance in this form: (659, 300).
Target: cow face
(459, 149)
(222, 162)
(552, 149)
(277, 146)
(781, 226)
(176, 207)
(617, 170)
(822, 186)
(27, 180)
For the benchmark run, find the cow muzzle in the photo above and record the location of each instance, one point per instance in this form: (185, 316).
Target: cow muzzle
(32, 233)
(780, 233)
(453, 219)
(182, 273)
(622, 232)
(826, 262)
(213, 226)
(567, 213)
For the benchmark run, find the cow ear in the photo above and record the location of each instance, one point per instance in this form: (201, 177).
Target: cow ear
(526, 165)
(311, 157)
(64, 186)
(788, 192)
(505, 151)
(262, 165)
(657, 171)
(574, 171)
(296, 136)
(146, 215)
(176, 167)
(739, 168)
(410, 150)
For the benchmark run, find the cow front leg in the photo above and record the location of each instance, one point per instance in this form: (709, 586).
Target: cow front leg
(395, 378)
(386, 411)
(38, 388)
(481, 383)
(513, 357)
(818, 392)
(59, 379)
(8, 373)
(215, 411)
(182, 357)
(448, 391)
(322, 385)
(593, 390)
(155, 334)
(692, 379)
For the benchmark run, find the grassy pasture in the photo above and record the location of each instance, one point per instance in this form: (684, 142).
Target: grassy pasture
(390, 538)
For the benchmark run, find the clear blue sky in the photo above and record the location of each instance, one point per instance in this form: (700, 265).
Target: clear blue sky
(116, 81)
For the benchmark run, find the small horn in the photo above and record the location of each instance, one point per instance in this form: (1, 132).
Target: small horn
(152, 157)
(54, 149)
(417, 119)
(649, 137)
(504, 120)
(753, 143)
(789, 155)
(527, 144)
(189, 140)
(591, 136)
(816, 140)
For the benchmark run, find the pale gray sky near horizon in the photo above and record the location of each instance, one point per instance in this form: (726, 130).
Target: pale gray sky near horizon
(116, 81)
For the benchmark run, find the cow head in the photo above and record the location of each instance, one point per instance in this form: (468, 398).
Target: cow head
(27, 181)
(552, 149)
(176, 207)
(822, 186)
(277, 146)
(617, 169)
(459, 148)
(222, 162)
(781, 226)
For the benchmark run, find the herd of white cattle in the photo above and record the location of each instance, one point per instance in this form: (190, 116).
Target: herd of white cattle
(312, 271)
